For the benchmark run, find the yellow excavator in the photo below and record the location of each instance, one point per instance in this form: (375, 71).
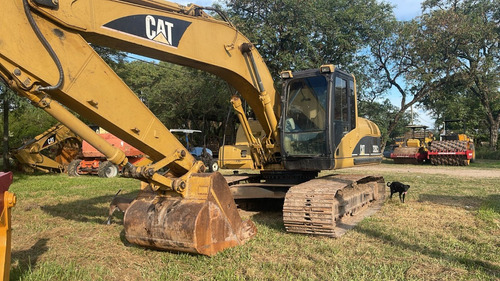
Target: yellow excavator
(50, 151)
(313, 125)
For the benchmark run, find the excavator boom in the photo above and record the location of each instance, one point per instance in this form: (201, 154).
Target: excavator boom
(150, 28)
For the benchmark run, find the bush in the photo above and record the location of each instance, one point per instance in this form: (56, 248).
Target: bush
(487, 153)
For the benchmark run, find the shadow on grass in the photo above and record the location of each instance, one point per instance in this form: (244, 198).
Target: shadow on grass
(85, 210)
(19, 176)
(272, 220)
(269, 212)
(22, 175)
(451, 200)
(394, 241)
(125, 241)
(27, 259)
(493, 202)
(466, 202)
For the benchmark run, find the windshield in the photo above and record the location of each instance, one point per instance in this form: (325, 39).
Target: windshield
(305, 116)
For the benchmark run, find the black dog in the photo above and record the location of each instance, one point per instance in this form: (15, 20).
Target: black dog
(119, 203)
(398, 187)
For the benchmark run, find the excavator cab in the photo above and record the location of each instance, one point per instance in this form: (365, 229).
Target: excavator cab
(319, 108)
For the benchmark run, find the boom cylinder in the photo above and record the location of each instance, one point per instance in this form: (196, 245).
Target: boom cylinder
(272, 122)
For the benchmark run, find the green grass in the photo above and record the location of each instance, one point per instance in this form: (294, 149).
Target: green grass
(486, 164)
(449, 229)
(486, 153)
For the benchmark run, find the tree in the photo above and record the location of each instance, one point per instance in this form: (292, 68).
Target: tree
(383, 115)
(402, 63)
(112, 57)
(467, 45)
(179, 96)
(294, 34)
(452, 49)
(25, 121)
(455, 103)
(5, 139)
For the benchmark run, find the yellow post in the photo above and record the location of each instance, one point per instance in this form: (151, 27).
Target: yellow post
(7, 201)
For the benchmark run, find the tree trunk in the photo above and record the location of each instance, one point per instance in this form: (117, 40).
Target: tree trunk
(494, 136)
(6, 164)
(391, 128)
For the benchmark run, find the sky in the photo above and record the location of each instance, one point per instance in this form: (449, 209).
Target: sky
(404, 10)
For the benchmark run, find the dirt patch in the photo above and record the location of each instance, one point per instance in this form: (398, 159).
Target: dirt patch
(436, 170)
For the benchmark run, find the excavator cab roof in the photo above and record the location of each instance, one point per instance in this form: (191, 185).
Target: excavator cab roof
(327, 68)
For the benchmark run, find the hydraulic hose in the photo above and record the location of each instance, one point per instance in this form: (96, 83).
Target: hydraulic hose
(47, 46)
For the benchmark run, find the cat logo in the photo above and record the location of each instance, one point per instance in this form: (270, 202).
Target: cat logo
(163, 30)
(159, 30)
(50, 140)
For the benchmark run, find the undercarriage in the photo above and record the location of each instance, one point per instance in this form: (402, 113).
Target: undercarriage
(327, 206)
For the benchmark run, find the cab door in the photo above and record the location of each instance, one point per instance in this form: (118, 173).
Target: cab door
(343, 106)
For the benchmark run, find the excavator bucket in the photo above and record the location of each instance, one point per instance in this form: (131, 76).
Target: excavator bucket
(205, 221)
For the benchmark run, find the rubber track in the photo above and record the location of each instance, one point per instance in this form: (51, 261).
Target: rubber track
(331, 205)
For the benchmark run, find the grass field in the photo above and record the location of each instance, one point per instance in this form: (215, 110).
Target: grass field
(449, 229)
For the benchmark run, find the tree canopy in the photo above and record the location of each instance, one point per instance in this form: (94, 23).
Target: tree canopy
(466, 48)
(448, 58)
(179, 96)
(296, 35)
(25, 120)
